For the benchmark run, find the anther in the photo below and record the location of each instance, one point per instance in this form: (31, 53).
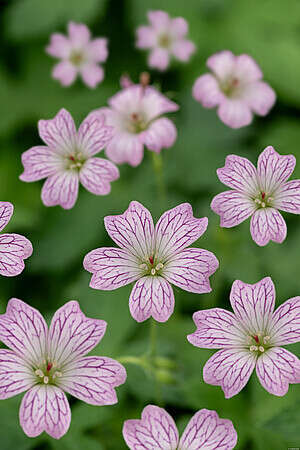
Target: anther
(57, 374)
(261, 349)
(253, 348)
(266, 339)
(144, 79)
(71, 157)
(153, 271)
(39, 373)
(46, 380)
(159, 266)
(263, 204)
(134, 117)
(143, 266)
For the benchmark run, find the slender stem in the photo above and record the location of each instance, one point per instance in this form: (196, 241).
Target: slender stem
(153, 339)
(157, 162)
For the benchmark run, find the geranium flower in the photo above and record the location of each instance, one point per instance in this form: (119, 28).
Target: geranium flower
(79, 54)
(258, 193)
(67, 159)
(249, 338)
(166, 38)
(45, 363)
(235, 87)
(136, 113)
(154, 258)
(157, 430)
(14, 248)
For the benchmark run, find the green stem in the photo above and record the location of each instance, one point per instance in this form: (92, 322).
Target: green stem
(153, 339)
(158, 169)
(138, 361)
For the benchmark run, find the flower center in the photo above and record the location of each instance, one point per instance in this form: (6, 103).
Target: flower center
(76, 57)
(151, 267)
(136, 123)
(230, 86)
(75, 161)
(259, 343)
(164, 40)
(263, 200)
(47, 372)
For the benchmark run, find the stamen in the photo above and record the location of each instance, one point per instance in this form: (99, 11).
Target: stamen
(143, 266)
(266, 339)
(46, 380)
(263, 204)
(71, 157)
(159, 266)
(135, 117)
(261, 349)
(153, 271)
(57, 374)
(151, 260)
(39, 373)
(270, 199)
(49, 366)
(263, 194)
(256, 339)
(253, 348)
(144, 79)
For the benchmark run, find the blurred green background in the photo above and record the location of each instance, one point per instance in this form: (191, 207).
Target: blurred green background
(269, 31)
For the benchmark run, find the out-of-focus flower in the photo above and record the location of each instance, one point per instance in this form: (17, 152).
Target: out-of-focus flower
(79, 54)
(165, 37)
(157, 430)
(235, 87)
(249, 338)
(258, 193)
(136, 114)
(154, 258)
(67, 159)
(45, 363)
(14, 248)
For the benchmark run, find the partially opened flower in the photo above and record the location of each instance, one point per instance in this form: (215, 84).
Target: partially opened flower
(250, 338)
(68, 158)
(45, 363)
(165, 38)
(79, 55)
(153, 257)
(156, 430)
(235, 87)
(136, 114)
(14, 248)
(258, 193)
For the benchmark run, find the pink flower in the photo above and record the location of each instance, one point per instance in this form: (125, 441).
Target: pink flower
(45, 363)
(154, 258)
(235, 87)
(249, 338)
(79, 54)
(14, 248)
(67, 159)
(157, 430)
(258, 193)
(165, 37)
(136, 113)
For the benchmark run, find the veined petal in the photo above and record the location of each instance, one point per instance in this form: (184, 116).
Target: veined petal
(179, 27)
(39, 162)
(235, 113)
(287, 197)
(206, 430)
(267, 224)
(161, 133)
(259, 96)
(276, 369)
(79, 35)
(24, 330)
(216, 328)
(155, 104)
(246, 69)
(233, 207)
(111, 268)
(59, 46)
(65, 72)
(14, 248)
(97, 50)
(253, 304)
(230, 369)
(93, 134)
(16, 375)
(155, 430)
(176, 230)
(183, 49)
(146, 37)
(159, 58)
(240, 174)
(206, 90)
(284, 327)
(151, 296)
(125, 148)
(59, 133)
(6, 211)
(159, 19)
(274, 169)
(133, 230)
(61, 189)
(97, 174)
(222, 64)
(190, 270)
(92, 74)
(45, 408)
(93, 379)
(72, 334)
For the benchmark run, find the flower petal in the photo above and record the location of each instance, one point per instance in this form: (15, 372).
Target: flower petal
(59, 133)
(274, 169)
(235, 113)
(72, 334)
(145, 37)
(222, 64)
(206, 430)
(61, 189)
(97, 50)
(133, 230)
(288, 197)
(176, 229)
(155, 430)
(206, 90)
(92, 74)
(230, 369)
(125, 148)
(267, 224)
(216, 328)
(259, 96)
(79, 34)
(93, 134)
(276, 369)
(159, 19)
(45, 408)
(151, 296)
(97, 174)
(93, 379)
(14, 248)
(65, 72)
(240, 174)
(24, 330)
(183, 49)
(190, 270)
(111, 268)
(284, 327)
(246, 69)
(161, 133)
(6, 211)
(39, 162)
(233, 208)
(16, 375)
(59, 46)
(179, 27)
(253, 304)
(159, 58)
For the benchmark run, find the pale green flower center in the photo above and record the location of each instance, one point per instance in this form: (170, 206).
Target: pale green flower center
(263, 200)
(151, 267)
(230, 86)
(164, 40)
(76, 57)
(259, 343)
(136, 123)
(47, 373)
(75, 160)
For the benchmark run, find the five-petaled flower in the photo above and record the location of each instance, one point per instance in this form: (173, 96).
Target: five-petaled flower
(165, 37)
(79, 55)
(235, 87)
(258, 193)
(249, 338)
(135, 113)
(68, 158)
(154, 257)
(157, 430)
(14, 248)
(45, 363)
